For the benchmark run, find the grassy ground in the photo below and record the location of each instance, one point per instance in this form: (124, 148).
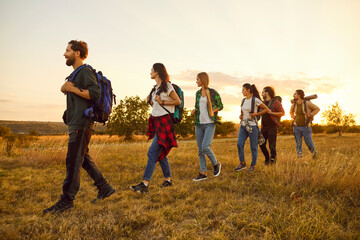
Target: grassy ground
(296, 199)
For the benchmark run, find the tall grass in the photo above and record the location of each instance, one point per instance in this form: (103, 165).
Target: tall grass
(295, 199)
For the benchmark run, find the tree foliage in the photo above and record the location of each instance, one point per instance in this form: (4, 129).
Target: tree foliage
(225, 128)
(335, 116)
(187, 125)
(129, 117)
(4, 131)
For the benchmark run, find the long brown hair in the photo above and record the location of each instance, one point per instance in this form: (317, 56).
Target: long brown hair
(164, 76)
(204, 77)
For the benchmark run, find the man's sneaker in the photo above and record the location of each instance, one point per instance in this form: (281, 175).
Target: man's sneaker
(105, 191)
(267, 161)
(241, 166)
(314, 155)
(59, 207)
(251, 168)
(166, 183)
(200, 177)
(140, 188)
(217, 169)
(272, 160)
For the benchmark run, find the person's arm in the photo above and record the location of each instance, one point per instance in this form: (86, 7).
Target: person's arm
(314, 109)
(70, 87)
(279, 110)
(175, 100)
(218, 105)
(263, 111)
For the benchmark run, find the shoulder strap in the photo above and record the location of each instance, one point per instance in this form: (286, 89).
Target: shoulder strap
(165, 109)
(252, 104)
(271, 103)
(73, 74)
(242, 102)
(305, 106)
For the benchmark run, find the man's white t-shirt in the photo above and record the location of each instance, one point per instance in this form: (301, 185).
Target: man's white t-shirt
(246, 109)
(204, 113)
(158, 110)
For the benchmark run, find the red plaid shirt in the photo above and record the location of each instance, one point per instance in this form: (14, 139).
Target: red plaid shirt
(276, 107)
(164, 129)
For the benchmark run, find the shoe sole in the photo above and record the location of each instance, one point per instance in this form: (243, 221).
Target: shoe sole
(218, 172)
(138, 191)
(198, 180)
(238, 170)
(106, 196)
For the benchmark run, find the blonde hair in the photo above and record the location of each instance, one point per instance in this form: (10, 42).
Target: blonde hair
(204, 77)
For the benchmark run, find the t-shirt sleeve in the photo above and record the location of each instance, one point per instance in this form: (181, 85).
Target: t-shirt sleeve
(90, 83)
(258, 102)
(170, 88)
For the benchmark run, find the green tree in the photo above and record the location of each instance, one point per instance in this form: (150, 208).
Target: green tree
(286, 127)
(129, 117)
(225, 128)
(4, 131)
(334, 116)
(187, 125)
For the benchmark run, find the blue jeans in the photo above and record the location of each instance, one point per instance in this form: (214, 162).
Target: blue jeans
(153, 154)
(299, 132)
(254, 137)
(204, 135)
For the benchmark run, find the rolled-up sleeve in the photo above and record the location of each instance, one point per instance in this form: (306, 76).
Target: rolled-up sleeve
(91, 84)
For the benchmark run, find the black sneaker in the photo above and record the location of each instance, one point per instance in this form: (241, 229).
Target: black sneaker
(251, 168)
(105, 191)
(217, 169)
(59, 207)
(166, 183)
(200, 177)
(140, 188)
(272, 161)
(241, 166)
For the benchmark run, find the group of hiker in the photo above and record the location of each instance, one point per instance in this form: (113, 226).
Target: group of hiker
(82, 89)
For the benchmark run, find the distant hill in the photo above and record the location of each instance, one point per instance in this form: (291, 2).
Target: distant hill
(43, 128)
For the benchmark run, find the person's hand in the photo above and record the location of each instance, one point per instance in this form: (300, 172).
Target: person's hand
(67, 87)
(269, 111)
(193, 111)
(241, 117)
(148, 98)
(158, 99)
(252, 115)
(309, 115)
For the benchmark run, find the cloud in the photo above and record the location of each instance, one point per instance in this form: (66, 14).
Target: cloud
(6, 101)
(285, 85)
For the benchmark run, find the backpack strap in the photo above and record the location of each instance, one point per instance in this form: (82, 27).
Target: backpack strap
(252, 104)
(76, 71)
(305, 106)
(271, 103)
(242, 102)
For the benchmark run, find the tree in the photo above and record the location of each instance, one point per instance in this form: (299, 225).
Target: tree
(129, 117)
(187, 125)
(225, 128)
(335, 116)
(286, 127)
(4, 131)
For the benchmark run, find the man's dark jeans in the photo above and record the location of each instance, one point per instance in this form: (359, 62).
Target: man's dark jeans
(269, 135)
(77, 157)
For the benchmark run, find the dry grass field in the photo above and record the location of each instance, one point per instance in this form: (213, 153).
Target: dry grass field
(295, 199)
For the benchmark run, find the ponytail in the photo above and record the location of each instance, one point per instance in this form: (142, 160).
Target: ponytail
(210, 107)
(255, 92)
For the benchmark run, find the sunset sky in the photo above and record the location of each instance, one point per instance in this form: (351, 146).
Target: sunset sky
(312, 45)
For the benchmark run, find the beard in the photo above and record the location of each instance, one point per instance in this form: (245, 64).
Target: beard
(70, 61)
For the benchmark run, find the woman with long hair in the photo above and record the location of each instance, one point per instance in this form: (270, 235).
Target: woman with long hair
(207, 105)
(249, 126)
(163, 99)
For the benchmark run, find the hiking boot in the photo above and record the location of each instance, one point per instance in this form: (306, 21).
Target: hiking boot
(241, 166)
(217, 169)
(166, 183)
(200, 177)
(251, 168)
(140, 188)
(105, 191)
(59, 207)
